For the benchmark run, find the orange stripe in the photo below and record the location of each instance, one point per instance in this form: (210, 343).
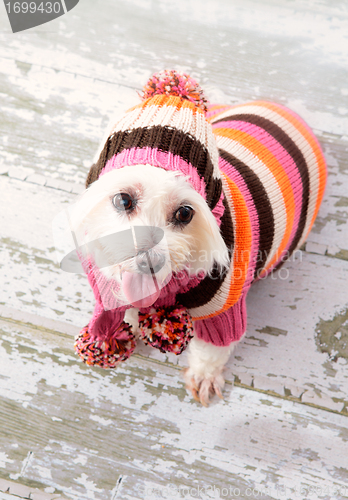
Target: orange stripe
(273, 165)
(242, 245)
(312, 142)
(217, 106)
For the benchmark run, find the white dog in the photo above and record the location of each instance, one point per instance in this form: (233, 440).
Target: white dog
(158, 198)
(222, 197)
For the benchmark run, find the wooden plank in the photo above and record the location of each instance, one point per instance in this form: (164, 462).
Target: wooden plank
(53, 121)
(281, 52)
(31, 279)
(10, 490)
(79, 430)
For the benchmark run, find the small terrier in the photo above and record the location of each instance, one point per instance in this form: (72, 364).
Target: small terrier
(186, 206)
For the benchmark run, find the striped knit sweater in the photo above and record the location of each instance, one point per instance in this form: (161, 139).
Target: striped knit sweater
(262, 173)
(274, 176)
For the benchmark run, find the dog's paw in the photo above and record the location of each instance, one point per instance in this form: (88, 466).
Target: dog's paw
(206, 364)
(204, 388)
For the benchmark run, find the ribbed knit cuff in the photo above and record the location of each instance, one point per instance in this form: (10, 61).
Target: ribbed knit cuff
(225, 328)
(104, 324)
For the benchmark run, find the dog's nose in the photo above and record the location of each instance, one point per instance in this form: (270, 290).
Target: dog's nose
(148, 263)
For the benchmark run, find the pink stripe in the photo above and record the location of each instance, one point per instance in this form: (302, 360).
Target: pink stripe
(152, 156)
(235, 176)
(283, 158)
(212, 112)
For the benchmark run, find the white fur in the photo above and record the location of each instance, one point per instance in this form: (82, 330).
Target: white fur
(206, 364)
(193, 247)
(131, 317)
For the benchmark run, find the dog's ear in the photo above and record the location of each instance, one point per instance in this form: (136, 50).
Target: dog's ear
(209, 247)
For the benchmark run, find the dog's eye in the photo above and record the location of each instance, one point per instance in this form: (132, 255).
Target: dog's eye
(183, 215)
(123, 201)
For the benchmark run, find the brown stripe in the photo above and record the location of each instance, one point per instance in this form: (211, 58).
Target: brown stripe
(262, 205)
(209, 286)
(288, 144)
(92, 174)
(165, 139)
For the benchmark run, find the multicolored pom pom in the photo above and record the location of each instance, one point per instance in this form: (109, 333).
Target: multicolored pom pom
(106, 353)
(171, 82)
(169, 329)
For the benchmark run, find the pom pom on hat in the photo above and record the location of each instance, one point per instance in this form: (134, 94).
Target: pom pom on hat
(169, 329)
(171, 82)
(106, 353)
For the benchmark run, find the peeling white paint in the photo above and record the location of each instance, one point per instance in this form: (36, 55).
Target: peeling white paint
(100, 420)
(81, 459)
(89, 485)
(4, 459)
(44, 472)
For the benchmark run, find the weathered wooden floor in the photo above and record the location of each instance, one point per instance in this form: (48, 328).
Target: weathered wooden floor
(70, 431)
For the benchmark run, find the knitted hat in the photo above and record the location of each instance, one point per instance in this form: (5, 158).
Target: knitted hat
(168, 129)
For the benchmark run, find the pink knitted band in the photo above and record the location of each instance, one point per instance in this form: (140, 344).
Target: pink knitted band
(156, 158)
(225, 328)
